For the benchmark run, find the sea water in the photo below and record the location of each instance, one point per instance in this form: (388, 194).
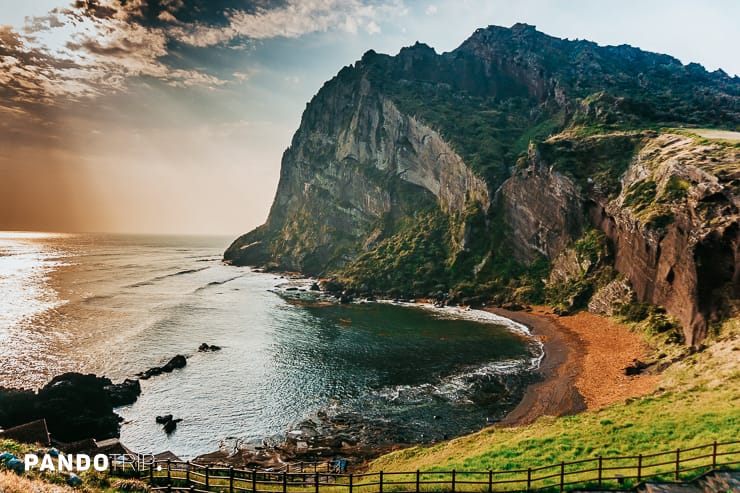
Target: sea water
(118, 305)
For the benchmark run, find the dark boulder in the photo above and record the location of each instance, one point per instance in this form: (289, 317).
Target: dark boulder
(168, 423)
(204, 348)
(75, 407)
(170, 426)
(175, 363)
(636, 368)
(124, 393)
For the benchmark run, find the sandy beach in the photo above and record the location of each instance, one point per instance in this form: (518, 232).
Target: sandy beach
(583, 367)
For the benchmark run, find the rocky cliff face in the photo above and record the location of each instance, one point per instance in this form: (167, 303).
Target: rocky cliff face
(673, 227)
(480, 172)
(355, 159)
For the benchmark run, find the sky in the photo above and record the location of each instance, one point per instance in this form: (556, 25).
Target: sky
(171, 116)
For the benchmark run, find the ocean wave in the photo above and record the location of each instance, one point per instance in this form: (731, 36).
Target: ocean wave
(463, 387)
(217, 283)
(151, 281)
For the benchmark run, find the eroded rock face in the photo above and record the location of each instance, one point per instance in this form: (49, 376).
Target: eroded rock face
(674, 225)
(543, 208)
(349, 163)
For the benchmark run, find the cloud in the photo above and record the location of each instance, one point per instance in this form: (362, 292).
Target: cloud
(293, 19)
(431, 10)
(94, 47)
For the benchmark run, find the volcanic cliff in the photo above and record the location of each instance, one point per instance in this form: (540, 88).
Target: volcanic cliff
(518, 167)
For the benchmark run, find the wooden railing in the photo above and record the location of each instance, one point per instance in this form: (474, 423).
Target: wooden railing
(598, 472)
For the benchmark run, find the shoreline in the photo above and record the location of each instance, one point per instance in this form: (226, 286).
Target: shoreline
(581, 367)
(584, 365)
(556, 394)
(581, 363)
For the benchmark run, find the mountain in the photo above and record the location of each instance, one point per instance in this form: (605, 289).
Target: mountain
(518, 167)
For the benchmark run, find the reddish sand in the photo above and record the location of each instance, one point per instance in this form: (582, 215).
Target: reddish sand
(583, 368)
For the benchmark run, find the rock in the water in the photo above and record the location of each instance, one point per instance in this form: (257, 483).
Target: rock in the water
(175, 363)
(204, 348)
(163, 419)
(124, 393)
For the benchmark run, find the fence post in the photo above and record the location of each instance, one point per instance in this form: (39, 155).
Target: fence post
(490, 481)
(418, 480)
(453, 481)
(639, 468)
(169, 471)
(316, 480)
(678, 462)
(600, 470)
(285, 481)
(187, 473)
(350, 482)
(254, 480)
(381, 482)
(714, 455)
(562, 476)
(151, 473)
(207, 482)
(231, 479)
(529, 478)
(301, 465)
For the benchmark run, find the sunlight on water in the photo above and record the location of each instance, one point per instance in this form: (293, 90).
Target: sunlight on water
(24, 273)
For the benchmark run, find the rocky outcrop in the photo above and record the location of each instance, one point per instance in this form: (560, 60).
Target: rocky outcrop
(463, 175)
(175, 363)
(673, 226)
(75, 406)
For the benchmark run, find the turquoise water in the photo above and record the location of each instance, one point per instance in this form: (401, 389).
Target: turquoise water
(117, 305)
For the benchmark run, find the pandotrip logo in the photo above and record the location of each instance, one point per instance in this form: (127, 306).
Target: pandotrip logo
(55, 461)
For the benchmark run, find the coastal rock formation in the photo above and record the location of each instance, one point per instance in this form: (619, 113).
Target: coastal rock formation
(177, 362)
(673, 225)
(496, 171)
(75, 406)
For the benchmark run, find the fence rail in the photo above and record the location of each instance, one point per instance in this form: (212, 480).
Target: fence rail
(598, 472)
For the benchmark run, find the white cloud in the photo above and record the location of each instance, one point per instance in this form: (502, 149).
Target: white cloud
(296, 18)
(431, 10)
(372, 28)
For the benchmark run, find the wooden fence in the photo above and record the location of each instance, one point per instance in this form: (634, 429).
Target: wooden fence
(598, 472)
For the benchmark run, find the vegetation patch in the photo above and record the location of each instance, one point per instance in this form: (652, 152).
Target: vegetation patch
(641, 195)
(593, 162)
(410, 262)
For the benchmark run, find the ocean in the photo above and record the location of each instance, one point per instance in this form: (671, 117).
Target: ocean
(116, 305)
